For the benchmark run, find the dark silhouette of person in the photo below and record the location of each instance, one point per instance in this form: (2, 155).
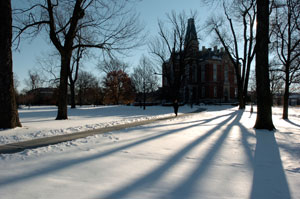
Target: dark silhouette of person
(251, 109)
(175, 106)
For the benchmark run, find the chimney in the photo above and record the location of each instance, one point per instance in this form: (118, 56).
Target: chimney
(203, 48)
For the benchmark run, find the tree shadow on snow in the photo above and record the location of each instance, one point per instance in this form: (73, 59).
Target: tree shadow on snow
(57, 166)
(293, 123)
(269, 180)
(186, 187)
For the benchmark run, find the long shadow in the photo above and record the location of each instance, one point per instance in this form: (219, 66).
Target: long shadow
(293, 123)
(269, 180)
(155, 175)
(40, 115)
(56, 166)
(186, 188)
(41, 112)
(160, 125)
(247, 147)
(196, 121)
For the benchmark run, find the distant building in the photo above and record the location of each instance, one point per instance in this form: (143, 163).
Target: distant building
(41, 96)
(209, 74)
(294, 99)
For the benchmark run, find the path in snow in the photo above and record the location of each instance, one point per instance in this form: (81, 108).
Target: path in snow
(56, 139)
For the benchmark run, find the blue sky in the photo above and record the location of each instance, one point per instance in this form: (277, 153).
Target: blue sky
(150, 11)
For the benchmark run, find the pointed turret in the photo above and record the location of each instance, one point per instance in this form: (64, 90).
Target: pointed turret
(191, 39)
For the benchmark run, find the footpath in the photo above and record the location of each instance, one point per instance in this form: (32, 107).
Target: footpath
(46, 141)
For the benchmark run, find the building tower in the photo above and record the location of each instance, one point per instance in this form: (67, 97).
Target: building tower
(191, 39)
(191, 47)
(206, 75)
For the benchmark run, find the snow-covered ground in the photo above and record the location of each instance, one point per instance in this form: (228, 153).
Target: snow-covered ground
(212, 154)
(39, 121)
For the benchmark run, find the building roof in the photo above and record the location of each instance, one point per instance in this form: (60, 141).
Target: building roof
(191, 33)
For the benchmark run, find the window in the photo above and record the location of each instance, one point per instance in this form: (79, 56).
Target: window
(226, 73)
(187, 71)
(215, 91)
(226, 93)
(214, 72)
(203, 91)
(202, 73)
(195, 73)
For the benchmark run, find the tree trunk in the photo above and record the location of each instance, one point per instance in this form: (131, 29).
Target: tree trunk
(285, 114)
(144, 95)
(62, 113)
(245, 89)
(264, 98)
(9, 117)
(80, 96)
(72, 89)
(242, 102)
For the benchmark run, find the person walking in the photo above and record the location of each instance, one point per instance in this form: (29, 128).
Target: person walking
(175, 106)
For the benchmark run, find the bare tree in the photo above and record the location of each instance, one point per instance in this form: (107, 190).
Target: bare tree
(34, 80)
(86, 81)
(111, 64)
(49, 67)
(110, 25)
(77, 57)
(286, 44)
(16, 83)
(238, 40)
(9, 117)
(172, 48)
(144, 78)
(264, 98)
(276, 81)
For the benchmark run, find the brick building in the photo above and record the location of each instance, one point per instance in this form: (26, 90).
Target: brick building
(208, 75)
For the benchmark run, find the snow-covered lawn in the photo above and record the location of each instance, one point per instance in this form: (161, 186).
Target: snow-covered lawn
(39, 121)
(212, 154)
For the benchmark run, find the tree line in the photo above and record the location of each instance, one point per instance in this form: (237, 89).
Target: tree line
(116, 87)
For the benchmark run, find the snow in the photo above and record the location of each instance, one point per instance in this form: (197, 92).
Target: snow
(211, 154)
(39, 121)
